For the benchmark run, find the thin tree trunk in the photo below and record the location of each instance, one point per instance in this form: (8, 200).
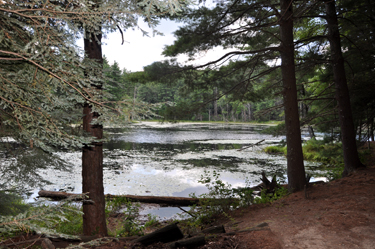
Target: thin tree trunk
(295, 166)
(94, 222)
(215, 104)
(351, 158)
(249, 107)
(372, 129)
(134, 98)
(360, 129)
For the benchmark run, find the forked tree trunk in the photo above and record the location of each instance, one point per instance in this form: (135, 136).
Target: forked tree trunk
(351, 158)
(94, 222)
(295, 167)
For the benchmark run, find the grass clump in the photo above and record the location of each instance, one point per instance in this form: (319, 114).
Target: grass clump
(274, 149)
(328, 153)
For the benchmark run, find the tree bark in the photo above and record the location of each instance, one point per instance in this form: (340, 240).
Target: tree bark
(166, 234)
(351, 158)
(94, 222)
(295, 166)
(215, 104)
(249, 106)
(193, 242)
(134, 99)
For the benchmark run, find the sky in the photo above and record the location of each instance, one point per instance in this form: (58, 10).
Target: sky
(139, 51)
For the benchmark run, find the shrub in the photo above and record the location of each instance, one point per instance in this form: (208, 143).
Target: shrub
(221, 198)
(275, 150)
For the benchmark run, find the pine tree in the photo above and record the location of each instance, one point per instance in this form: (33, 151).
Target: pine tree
(257, 32)
(43, 72)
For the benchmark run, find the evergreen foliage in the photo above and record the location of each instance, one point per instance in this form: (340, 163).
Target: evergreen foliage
(11, 204)
(43, 76)
(46, 78)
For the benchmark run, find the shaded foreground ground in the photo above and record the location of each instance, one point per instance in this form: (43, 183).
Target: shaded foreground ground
(339, 214)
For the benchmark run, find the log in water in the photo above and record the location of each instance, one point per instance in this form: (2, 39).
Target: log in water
(169, 200)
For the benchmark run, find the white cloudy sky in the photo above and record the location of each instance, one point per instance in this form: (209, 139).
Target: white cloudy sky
(139, 51)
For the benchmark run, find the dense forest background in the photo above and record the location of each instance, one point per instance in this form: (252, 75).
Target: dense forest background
(211, 104)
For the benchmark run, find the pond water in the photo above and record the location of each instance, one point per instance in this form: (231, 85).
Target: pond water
(151, 158)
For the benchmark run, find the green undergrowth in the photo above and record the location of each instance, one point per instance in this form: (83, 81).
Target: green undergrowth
(326, 152)
(265, 197)
(222, 198)
(63, 219)
(60, 220)
(130, 226)
(275, 149)
(11, 204)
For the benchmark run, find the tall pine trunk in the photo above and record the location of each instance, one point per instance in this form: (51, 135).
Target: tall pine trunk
(295, 166)
(94, 222)
(351, 158)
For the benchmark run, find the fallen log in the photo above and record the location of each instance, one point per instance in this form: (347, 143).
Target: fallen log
(166, 234)
(168, 200)
(259, 227)
(189, 243)
(214, 229)
(209, 231)
(251, 145)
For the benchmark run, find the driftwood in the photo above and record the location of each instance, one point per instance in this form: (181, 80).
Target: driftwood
(170, 200)
(270, 186)
(252, 145)
(214, 229)
(166, 234)
(189, 243)
(259, 227)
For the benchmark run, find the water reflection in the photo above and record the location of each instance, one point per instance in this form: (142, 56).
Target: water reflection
(169, 159)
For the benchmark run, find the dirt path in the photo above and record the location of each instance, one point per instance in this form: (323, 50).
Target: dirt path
(339, 214)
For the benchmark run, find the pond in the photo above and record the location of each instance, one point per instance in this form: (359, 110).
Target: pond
(150, 158)
(164, 159)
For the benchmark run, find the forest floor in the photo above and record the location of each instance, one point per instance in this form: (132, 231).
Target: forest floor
(338, 214)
